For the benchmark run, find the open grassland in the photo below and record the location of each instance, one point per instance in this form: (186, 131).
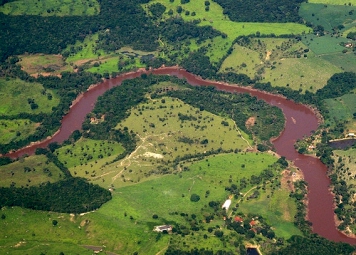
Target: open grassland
(333, 2)
(51, 7)
(87, 151)
(328, 16)
(43, 64)
(282, 62)
(125, 223)
(15, 130)
(342, 108)
(29, 171)
(215, 18)
(18, 96)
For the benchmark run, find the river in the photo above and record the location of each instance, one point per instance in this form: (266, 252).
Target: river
(300, 121)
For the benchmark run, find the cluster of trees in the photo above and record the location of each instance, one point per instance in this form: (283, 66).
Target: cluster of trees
(262, 11)
(314, 245)
(72, 195)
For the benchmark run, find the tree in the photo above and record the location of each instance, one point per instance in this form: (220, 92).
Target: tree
(54, 222)
(194, 198)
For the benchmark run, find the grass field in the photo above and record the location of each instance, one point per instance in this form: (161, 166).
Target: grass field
(164, 137)
(87, 55)
(279, 210)
(324, 44)
(215, 18)
(82, 52)
(344, 61)
(29, 171)
(51, 7)
(333, 2)
(283, 62)
(14, 95)
(15, 130)
(328, 16)
(309, 73)
(342, 108)
(87, 151)
(124, 224)
(43, 64)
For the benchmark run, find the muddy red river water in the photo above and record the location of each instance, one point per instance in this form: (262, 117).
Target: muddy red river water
(300, 121)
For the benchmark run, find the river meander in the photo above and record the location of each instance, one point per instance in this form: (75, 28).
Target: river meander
(300, 121)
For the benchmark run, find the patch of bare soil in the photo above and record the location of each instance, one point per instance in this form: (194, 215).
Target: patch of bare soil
(268, 55)
(289, 177)
(250, 122)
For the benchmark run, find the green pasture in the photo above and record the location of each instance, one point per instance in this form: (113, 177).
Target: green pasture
(15, 130)
(333, 2)
(43, 63)
(51, 7)
(309, 73)
(324, 44)
(125, 223)
(348, 171)
(87, 151)
(345, 61)
(279, 210)
(282, 62)
(14, 95)
(82, 52)
(30, 171)
(341, 108)
(328, 16)
(215, 18)
(242, 60)
(352, 29)
(163, 137)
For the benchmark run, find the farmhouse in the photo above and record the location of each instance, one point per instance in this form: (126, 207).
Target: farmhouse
(163, 228)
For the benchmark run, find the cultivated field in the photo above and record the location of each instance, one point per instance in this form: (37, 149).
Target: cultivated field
(29, 171)
(18, 96)
(51, 7)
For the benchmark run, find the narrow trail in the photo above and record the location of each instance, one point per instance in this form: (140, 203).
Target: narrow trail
(128, 158)
(243, 138)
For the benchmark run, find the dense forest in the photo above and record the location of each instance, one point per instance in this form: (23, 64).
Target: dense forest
(72, 195)
(262, 11)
